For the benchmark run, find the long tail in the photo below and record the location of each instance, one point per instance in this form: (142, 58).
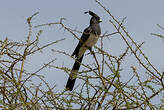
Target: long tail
(72, 78)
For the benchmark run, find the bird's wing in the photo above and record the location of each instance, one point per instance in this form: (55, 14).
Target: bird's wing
(83, 38)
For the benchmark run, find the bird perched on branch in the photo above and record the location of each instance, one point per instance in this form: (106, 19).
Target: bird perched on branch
(88, 39)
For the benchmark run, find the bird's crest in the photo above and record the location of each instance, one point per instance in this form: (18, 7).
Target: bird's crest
(92, 14)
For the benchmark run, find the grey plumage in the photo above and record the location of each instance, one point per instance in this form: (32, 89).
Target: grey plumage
(88, 39)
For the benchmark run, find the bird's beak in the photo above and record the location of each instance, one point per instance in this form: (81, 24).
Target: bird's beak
(100, 20)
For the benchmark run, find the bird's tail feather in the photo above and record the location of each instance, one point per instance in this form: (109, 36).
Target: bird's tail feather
(72, 77)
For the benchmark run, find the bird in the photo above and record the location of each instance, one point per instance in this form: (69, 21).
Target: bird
(88, 39)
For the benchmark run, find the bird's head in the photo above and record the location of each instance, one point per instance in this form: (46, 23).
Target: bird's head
(95, 18)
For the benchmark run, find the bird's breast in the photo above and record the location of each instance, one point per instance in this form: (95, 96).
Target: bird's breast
(92, 40)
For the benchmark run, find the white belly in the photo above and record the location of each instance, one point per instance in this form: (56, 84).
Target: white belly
(91, 41)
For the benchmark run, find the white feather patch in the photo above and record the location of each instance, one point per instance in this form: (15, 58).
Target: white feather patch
(91, 41)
